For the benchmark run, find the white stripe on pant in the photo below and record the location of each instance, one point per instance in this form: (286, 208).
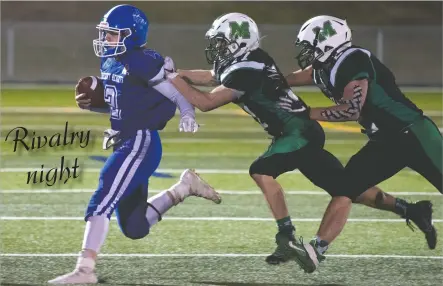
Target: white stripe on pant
(119, 177)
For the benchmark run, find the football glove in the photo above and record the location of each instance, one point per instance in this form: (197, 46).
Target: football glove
(188, 124)
(169, 66)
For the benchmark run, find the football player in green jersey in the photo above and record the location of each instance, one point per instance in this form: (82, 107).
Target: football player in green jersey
(247, 76)
(365, 90)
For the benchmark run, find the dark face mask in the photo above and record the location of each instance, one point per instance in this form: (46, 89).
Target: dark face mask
(218, 49)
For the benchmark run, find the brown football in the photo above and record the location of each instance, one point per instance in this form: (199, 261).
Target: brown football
(92, 86)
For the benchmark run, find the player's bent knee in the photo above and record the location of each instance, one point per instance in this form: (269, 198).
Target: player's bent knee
(135, 232)
(135, 225)
(259, 170)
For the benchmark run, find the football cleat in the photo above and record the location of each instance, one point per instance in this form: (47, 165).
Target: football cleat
(289, 248)
(420, 213)
(78, 276)
(320, 256)
(306, 255)
(281, 253)
(191, 184)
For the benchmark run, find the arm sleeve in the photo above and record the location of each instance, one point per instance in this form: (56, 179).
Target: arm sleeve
(168, 90)
(154, 75)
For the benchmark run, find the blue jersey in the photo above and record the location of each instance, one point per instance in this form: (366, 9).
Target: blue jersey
(134, 104)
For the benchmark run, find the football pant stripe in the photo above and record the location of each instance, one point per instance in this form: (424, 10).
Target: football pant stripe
(124, 174)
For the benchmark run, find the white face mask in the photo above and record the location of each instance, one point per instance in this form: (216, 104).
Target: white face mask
(104, 48)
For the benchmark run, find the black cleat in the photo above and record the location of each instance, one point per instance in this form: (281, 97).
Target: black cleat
(280, 255)
(275, 259)
(420, 213)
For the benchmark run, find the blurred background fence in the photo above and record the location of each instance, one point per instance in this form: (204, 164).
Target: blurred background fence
(52, 42)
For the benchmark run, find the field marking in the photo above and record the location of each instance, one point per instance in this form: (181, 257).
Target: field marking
(101, 128)
(244, 141)
(76, 110)
(232, 255)
(170, 171)
(88, 153)
(330, 127)
(220, 219)
(223, 192)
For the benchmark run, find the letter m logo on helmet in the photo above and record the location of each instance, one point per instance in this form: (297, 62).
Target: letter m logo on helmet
(324, 32)
(239, 30)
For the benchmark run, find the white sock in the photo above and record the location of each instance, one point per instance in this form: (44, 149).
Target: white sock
(322, 245)
(95, 232)
(162, 202)
(86, 263)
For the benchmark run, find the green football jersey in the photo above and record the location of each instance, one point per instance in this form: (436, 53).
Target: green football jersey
(256, 75)
(386, 109)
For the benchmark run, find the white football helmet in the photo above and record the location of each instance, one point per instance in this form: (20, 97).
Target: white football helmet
(320, 38)
(231, 35)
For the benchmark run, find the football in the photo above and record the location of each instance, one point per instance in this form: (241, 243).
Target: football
(92, 86)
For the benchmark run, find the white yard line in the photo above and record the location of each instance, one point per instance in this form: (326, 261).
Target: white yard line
(101, 128)
(87, 153)
(76, 110)
(232, 255)
(241, 141)
(223, 192)
(219, 219)
(170, 171)
(202, 129)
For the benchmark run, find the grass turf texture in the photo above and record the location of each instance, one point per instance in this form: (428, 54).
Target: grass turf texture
(225, 143)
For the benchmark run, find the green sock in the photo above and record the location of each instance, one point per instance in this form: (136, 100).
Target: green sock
(285, 225)
(401, 207)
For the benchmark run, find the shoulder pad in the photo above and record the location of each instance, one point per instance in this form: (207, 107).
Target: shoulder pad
(348, 54)
(250, 65)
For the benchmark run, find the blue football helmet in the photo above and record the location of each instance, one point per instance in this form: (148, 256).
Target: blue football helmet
(126, 21)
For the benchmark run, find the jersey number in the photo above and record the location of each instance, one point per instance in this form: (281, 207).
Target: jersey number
(244, 58)
(111, 99)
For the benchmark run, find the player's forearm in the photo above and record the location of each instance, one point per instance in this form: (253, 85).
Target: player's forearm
(349, 106)
(339, 113)
(300, 77)
(197, 98)
(198, 77)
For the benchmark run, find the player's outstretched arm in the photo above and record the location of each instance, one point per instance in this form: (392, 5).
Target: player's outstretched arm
(187, 112)
(349, 106)
(198, 77)
(204, 101)
(300, 77)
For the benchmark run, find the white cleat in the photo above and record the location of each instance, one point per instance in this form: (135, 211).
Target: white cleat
(78, 276)
(198, 187)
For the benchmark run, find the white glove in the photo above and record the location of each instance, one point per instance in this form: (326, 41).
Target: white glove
(169, 66)
(188, 124)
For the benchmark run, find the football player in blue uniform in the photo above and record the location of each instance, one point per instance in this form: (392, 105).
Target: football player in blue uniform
(140, 103)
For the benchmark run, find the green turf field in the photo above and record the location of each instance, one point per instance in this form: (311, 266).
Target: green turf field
(197, 243)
